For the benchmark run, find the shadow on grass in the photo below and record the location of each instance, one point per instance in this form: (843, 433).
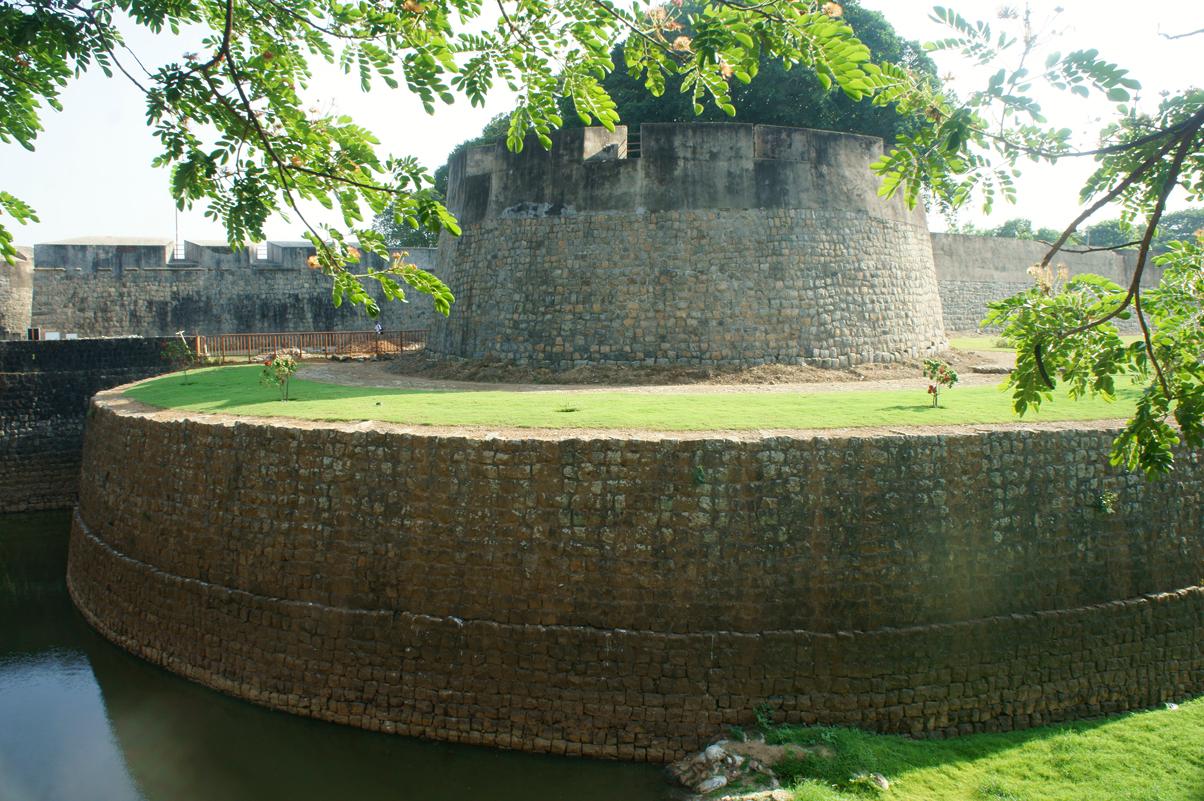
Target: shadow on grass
(231, 389)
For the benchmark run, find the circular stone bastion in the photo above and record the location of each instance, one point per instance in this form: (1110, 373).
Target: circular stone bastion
(704, 245)
(629, 596)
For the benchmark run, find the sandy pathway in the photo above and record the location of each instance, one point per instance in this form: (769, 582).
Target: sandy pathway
(381, 374)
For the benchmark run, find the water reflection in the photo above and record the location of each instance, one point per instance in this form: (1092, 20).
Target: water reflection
(81, 719)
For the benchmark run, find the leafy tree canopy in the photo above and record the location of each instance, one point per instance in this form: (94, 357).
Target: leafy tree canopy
(1111, 234)
(1015, 228)
(779, 95)
(1064, 330)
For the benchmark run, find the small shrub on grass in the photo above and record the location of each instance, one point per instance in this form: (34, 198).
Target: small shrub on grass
(942, 375)
(277, 372)
(177, 354)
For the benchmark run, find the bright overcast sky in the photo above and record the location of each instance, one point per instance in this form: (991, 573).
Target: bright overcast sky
(91, 174)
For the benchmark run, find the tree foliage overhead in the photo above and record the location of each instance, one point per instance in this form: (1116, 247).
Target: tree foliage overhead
(780, 95)
(235, 130)
(1064, 331)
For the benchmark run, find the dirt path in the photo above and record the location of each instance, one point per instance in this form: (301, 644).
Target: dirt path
(386, 375)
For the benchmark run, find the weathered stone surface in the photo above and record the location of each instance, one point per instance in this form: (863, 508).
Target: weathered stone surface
(203, 298)
(588, 595)
(972, 271)
(44, 392)
(721, 245)
(16, 296)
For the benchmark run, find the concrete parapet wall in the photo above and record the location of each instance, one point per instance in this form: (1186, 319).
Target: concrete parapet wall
(630, 597)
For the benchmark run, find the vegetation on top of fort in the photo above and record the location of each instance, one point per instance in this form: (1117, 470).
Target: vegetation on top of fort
(235, 390)
(1144, 755)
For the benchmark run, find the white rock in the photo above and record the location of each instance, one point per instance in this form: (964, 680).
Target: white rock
(711, 784)
(714, 753)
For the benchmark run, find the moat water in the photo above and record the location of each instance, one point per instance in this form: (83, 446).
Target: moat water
(82, 720)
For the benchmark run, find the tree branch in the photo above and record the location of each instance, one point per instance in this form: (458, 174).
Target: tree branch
(1178, 127)
(1142, 254)
(1116, 192)
(223, 49)
(1181, 35)
(1121, 246)
(1149, 344)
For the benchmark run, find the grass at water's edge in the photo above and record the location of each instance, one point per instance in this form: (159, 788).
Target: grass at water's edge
(236, 390)
(1141, 756)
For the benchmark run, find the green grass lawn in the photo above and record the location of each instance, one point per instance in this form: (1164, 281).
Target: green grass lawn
(236, 390)
(978, 343)
(1144, 756)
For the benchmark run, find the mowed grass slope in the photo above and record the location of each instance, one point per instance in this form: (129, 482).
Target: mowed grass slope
(236, 390)
(1144, 756)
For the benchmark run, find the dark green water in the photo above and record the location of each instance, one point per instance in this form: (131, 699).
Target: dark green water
(82, 720)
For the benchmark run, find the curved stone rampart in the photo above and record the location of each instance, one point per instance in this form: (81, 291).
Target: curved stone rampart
(720, 245)
(628, 597)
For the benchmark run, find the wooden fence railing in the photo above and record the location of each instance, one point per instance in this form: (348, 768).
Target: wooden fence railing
(310, 343)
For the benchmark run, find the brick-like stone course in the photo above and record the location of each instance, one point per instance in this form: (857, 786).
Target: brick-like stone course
(973, 271)
(709, 288)
(721, 245)
(208, 300)
(44, 392)
(16, 296)
(630, 597)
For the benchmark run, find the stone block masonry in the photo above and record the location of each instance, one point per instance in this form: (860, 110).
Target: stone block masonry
(71, 293)
(629, 597)
(44, 392)
(973, 271)
(721, 245)
(16, 296)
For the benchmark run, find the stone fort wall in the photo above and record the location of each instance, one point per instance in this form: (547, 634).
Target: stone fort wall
(16, 296)
(589, 594)
(45, 388)
(972, 271)
(721, 244)
(208, 295)
(718, 244)
(135, 289)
